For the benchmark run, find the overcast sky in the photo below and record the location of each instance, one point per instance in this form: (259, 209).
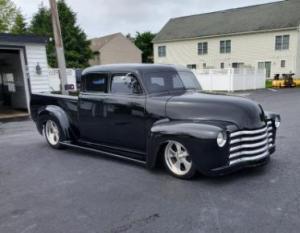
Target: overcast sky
(102, 17)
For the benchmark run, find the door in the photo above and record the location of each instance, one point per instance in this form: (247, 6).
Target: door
(268, 69)
(91, 114)
(125, 112)
(266, 65)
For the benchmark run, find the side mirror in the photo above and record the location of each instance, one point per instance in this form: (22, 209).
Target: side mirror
(136, 88)
(133, 83)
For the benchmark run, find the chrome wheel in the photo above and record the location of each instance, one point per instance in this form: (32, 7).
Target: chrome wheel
(52, 132)
(177, 158)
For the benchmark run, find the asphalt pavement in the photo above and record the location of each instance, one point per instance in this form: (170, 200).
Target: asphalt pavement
(43, 190)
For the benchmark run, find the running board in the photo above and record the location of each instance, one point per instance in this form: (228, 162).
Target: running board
(72, 145)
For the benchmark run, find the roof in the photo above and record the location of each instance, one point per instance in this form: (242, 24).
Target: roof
(132, 68)
(270, 16)
(98, 43)
(12, 38)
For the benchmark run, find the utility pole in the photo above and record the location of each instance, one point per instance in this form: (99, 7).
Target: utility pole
(59, 46)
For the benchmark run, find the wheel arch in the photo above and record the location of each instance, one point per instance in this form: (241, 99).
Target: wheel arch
(189, 133)
(56, 112)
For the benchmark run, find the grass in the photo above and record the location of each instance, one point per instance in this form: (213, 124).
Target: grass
(269, 84)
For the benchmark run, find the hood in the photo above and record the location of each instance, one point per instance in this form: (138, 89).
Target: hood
(244, 113)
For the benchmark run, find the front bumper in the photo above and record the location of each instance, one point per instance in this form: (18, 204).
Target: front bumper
(247, 162)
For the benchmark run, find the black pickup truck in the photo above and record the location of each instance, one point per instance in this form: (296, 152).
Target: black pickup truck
(154, 114)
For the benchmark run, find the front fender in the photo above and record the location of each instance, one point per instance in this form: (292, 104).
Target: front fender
(59, 114)
(198, 137)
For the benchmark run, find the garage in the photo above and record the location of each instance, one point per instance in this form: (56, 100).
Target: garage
(23, 69)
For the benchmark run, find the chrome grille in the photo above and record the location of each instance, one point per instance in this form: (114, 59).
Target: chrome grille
(251, 145)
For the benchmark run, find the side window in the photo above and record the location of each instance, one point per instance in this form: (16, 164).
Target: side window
(157, 81)
(125, 84)
(96, 82)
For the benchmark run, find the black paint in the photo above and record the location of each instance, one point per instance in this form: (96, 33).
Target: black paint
(136, 126)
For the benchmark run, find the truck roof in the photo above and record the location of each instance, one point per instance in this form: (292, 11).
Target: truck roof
(137, 68)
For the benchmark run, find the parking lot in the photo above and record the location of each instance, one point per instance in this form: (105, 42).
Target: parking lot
(45, 191)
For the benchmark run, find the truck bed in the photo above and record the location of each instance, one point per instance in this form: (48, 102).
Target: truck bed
(66, 102)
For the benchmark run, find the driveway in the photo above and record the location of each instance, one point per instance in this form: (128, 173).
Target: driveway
(47, 191)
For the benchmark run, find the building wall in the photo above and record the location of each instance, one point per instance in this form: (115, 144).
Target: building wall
(248, 49)
(95, 60)
(120, 50)
(36, 54)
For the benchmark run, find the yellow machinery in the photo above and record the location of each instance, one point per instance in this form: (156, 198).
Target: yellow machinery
(287, 81)
(297, 82)
(278, 83)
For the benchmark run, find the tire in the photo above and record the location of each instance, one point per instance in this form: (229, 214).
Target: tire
(53, 133)
(178, 161)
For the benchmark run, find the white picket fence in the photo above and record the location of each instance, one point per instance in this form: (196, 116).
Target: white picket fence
(54, 80)
(231, 79)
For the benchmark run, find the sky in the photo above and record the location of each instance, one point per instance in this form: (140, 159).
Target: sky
(101, 17)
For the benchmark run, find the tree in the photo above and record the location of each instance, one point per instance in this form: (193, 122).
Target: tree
(19, 26)
(76, 45)
(144, 42)
(8, 13)
(41, 25)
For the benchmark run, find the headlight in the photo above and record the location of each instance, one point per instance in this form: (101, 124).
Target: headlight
(277, 122)
(221, 139)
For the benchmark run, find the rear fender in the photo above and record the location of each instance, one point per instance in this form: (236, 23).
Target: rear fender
(59, 114)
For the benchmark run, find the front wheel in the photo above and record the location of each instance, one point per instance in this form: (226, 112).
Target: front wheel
(178, 161)
(52, 133)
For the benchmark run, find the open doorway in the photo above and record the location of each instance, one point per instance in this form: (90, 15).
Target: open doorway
(13, 98)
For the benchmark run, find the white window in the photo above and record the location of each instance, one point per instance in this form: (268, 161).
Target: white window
(222, 65)
(282, 42)
(237, 65)
(192, 66)
(202, 48)
(282, 63)
(225, 46)
(162, 51)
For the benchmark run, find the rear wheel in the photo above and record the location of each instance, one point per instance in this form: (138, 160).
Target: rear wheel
(178, 161)
(52, 133)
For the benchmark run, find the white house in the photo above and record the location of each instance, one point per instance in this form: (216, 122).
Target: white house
(23, 69)
(260, 36)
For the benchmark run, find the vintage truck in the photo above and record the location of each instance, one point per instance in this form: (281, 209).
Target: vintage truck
(154, 114)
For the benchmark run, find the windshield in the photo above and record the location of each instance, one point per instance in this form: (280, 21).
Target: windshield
(170, 81)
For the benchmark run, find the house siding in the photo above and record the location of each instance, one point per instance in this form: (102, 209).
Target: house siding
(36, 54)
(247, 48)
(117, 50)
